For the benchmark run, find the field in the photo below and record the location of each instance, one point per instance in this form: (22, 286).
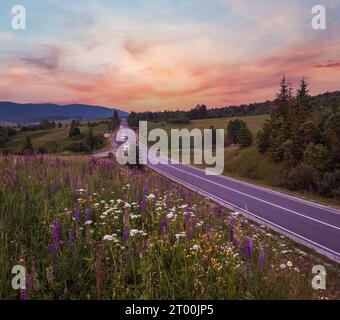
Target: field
(254, 124)
(87, 229)
(53, 140)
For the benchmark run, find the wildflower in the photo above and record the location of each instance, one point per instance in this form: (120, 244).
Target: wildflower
(87, 214)
(170, 215)
(195, 247)
(126, 235)
(167, 201)
(77, 215)
(261, 258)
(146, 186)
(67, 179)
(75, 182)
(89, 222)
(162, 226)
(52, 187)
(289, 264)
(151, 196)
(23, 294)
(134, 232)
(248, 247)
(108, 238)
(283, 266)
(56, 236)
(180, 235)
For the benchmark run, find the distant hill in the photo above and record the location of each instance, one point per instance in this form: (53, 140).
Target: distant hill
(13, 113)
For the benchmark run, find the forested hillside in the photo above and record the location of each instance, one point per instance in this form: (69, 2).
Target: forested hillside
(317, 103)
(305, 139)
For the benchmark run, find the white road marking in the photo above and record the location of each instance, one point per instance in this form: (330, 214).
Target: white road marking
(258, 199)
(247, 212)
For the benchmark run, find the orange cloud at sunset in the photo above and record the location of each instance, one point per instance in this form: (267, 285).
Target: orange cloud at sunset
(142, 63)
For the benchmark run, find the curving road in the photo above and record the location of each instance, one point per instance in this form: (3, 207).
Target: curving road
(311, 224)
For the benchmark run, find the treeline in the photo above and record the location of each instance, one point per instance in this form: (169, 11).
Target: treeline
(44, 125)
(317, 103)
(199, 112)
(305, 141)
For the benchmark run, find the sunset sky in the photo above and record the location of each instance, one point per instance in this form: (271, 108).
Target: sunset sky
(165, 54)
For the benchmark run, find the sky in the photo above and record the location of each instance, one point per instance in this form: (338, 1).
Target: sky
(153, 55)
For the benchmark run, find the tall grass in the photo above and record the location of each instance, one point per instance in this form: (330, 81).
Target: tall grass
(87, 229)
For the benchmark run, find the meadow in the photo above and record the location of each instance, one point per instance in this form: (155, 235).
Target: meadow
(91, 229)
(54, 140)
(254, 124)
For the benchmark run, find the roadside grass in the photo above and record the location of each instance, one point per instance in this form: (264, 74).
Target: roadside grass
(91, 229)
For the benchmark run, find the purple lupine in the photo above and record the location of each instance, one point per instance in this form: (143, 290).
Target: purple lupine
(167, 201)
(93, 163)
(189, 234)
(52, 187)
(126, 235)
(208, 228)
(187, 214)
(231, 228)
(29, 281)
(56, 236)
(58, 183)
(67, 179)
(75, 182)
(87, 214)
(77, 215)
(162, 226)
(248, 247)
(218, 212)
(143, 205)
(23, 294)
(261, 258)
(146, 186)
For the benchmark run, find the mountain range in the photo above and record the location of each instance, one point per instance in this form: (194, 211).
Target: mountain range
(14, 113)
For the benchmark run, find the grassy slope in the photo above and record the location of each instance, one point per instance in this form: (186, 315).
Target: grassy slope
(57, 137)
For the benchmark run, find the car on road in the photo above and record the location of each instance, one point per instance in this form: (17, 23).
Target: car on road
(126, 151)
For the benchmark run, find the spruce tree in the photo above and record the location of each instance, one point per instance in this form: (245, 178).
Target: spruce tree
(90, 142)
(27, 146)
(244, 136)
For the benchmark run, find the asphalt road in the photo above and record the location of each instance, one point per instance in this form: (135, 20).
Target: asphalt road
(308, 223)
